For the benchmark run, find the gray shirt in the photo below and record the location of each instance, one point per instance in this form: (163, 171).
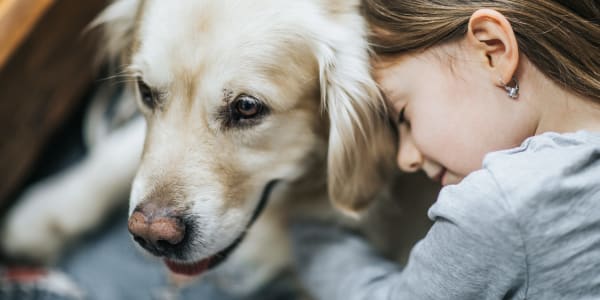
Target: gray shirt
(525, 226)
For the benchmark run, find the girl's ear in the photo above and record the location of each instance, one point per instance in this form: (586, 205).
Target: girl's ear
(361, 140)
(492, 36)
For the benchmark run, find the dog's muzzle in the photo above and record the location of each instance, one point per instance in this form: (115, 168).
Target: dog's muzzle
(166, 232)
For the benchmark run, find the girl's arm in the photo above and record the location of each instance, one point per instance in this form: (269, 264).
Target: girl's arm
(473, 251)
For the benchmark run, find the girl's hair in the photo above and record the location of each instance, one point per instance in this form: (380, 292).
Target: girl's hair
(561, 38)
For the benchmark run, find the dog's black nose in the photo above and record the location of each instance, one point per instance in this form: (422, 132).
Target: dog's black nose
(157, 229)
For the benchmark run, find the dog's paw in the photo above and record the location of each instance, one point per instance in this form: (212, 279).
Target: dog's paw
(23, 241)
(33, 231)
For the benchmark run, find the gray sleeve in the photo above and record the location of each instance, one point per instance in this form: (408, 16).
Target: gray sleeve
(473, 251)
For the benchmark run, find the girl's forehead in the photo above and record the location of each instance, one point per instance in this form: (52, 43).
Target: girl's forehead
(393, 75)
(394, 96)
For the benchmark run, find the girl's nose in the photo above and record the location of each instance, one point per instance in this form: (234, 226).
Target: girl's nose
(409, 157)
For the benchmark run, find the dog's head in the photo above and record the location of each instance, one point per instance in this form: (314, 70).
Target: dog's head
(239, 95)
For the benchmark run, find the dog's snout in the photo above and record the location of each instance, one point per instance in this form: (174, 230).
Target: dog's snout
(157, 229)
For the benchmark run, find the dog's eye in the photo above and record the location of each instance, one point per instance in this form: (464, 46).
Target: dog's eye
(247, 107)
(243, 112)
(146, 94)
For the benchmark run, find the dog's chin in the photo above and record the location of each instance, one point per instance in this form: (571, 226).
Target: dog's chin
(195, 268)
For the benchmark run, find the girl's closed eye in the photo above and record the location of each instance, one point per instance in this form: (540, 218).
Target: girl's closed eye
(401, 118)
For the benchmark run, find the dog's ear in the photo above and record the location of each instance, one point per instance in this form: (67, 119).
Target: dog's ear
(117, 23)
(361, 139)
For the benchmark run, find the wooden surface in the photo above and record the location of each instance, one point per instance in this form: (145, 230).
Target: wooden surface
(17, 20)
(47, 69)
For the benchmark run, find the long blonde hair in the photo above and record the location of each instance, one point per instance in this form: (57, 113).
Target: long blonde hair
(561, 38)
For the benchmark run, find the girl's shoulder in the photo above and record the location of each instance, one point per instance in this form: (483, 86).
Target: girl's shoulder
(546, 145)
(545, 168)
(537, 202)
(549, 156)
(538, 175)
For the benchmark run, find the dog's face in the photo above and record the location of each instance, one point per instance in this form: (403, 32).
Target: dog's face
(232, 92)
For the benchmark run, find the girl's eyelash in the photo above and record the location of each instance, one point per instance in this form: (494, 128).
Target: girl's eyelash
(401, 118)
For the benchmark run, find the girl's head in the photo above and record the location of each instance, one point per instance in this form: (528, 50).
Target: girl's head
(443, 67)
(560, 37)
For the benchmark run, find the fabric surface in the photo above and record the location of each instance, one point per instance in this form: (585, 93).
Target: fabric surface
(526, 226)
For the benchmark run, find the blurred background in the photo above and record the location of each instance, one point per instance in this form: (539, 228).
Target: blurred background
(46, 69)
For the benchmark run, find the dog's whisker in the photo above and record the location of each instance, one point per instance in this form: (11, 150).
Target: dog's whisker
(119, 78)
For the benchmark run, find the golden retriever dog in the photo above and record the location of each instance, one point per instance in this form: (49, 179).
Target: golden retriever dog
(251, 110)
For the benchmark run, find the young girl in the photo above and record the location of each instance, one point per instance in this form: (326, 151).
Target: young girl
(500, 102)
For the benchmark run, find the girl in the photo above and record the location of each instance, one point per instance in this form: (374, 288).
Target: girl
(500, 102)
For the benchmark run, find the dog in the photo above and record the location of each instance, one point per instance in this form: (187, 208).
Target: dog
(253, 113)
